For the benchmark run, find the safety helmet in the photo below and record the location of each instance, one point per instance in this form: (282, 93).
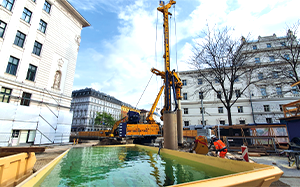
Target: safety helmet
(213, 136)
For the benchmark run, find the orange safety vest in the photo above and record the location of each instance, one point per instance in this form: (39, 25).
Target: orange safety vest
(219, 145)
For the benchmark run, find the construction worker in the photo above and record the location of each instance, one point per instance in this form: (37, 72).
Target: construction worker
(219, 145)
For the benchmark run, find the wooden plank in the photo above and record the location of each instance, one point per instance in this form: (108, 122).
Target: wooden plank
(22, 149)
(250, 126)
(251, 154)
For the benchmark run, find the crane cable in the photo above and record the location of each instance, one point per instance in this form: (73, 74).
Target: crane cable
(175, 36)
(144, 90)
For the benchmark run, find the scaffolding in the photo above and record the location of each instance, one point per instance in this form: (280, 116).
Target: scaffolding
(43, 121)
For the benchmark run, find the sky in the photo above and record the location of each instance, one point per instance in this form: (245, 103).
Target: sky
(125, 39)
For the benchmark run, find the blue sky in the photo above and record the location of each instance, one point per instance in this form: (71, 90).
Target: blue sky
(124, 40)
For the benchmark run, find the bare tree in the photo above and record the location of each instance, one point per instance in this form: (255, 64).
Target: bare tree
(288, 53)
(224, 63)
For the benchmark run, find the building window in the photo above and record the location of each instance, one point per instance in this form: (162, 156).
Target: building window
(37, 48)
(220, 110)
(5, 95)
(202, 111)
(183, 82)
(2, 28)
(278, 90)
(12, 65)
(42, 26)
(186, 111)
(201, 95)
(8, 4)
(242, 122)
(186, 123)
(222, 122)
(254, 47)
(291, 74)
(263, 91)
(26, 15)
(295, 90)
(47, 7)
(257, 60)
(15, 133)
(269, 45)
(236, 78)
(217, 80)
(266, 108)
(287, 57)
(200, 81)
(240, 109)
(269, 120)
(20, 38)
(184, 96)
(25, 99)
(219, 94)
(275, 75)
(283, 43)
(272, 58)
(260, 76)
(237, 93)
(31, 72)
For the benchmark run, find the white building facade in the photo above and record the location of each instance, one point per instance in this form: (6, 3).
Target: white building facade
(39, 42)
(260, 103)
(85, 105)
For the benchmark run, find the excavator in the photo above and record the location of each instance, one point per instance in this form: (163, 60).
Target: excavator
(130, 127)
(142, 132)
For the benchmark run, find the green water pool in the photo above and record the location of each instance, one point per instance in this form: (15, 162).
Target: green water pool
(125, 166)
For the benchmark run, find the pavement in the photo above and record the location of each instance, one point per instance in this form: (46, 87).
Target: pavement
(290, 177)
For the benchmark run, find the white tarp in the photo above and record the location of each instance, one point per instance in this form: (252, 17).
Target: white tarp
(49, 128)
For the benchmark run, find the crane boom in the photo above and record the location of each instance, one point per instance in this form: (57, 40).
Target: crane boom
(150, 118)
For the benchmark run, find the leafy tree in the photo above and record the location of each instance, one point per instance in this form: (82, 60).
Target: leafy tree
(224, 64)
(104, 119)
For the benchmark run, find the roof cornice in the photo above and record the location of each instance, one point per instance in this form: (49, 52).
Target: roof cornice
(74, 12)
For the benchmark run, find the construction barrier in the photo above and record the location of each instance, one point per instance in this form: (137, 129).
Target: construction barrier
(245, 153)
(15, 168)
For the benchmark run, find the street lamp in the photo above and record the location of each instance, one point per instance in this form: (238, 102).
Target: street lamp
(104, 108)
(251, 94)
(202, 111)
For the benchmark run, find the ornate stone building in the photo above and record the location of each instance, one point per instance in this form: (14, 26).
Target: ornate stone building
(85, 105)
(259, 104)
(39, 42)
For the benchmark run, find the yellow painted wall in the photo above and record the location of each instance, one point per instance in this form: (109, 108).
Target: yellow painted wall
(15, 168)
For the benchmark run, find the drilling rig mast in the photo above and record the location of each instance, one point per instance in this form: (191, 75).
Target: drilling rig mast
(171, 81)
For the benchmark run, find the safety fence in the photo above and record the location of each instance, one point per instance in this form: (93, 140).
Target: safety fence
(254, 144)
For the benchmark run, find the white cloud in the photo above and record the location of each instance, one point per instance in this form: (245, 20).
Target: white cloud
(122, 69)
(76, 76)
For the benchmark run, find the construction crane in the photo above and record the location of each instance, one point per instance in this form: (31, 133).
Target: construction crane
(171, 78)
(172, 125)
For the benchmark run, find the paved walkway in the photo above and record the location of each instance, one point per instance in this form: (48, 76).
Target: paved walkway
(290, 177)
